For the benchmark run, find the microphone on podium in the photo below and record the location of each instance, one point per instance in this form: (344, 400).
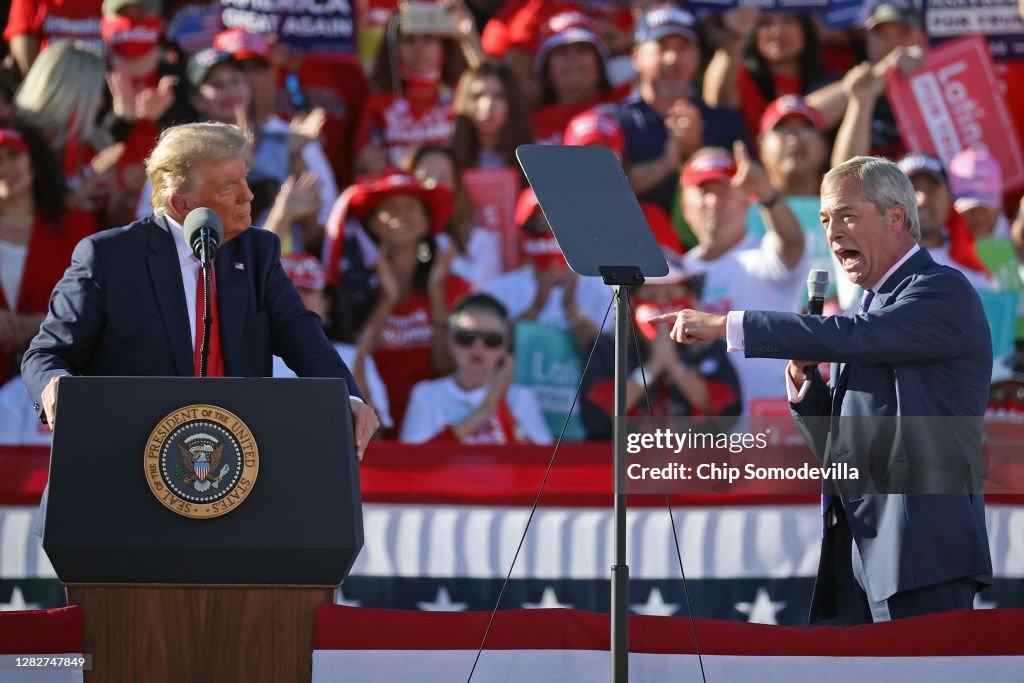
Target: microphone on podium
(203, 233)
(817, 285)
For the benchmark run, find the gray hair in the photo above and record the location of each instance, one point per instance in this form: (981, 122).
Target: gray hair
(181, 148)
(883, 184)
(62, 93)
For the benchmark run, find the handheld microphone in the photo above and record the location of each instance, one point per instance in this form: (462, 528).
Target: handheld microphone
(817, 285)
(203, 233)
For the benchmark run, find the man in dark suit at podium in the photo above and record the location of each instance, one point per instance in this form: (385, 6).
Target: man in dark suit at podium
(129, 303)
(907, 396)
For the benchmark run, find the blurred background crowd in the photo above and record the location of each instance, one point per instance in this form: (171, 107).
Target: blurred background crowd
(384, 159)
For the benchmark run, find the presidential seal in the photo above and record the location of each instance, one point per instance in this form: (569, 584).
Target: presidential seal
(201, 461)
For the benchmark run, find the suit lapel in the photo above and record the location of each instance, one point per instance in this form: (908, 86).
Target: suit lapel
(914, 264)
(232, 302)
(165, 274)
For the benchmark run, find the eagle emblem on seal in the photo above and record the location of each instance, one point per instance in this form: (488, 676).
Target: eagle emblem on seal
(201, 456)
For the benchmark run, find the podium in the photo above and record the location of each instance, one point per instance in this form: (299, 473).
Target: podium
(199, 523)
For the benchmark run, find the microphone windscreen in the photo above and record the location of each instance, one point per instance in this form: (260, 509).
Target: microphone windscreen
(199, 217)
(817, 284)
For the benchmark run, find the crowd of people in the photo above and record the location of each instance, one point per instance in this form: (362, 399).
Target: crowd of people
(724, 123)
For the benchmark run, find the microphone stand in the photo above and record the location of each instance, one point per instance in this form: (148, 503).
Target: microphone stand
(204, 349)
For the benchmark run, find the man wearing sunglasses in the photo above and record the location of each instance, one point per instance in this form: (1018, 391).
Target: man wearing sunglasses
(476, 404)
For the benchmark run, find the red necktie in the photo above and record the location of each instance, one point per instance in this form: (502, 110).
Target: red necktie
(215, 361)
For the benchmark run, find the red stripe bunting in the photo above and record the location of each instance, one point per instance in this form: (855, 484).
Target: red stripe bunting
(977, 633)
(45, 631)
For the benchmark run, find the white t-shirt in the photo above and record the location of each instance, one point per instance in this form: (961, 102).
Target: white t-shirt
(19, 421)
(482, 260)
(12, 266)
(750, 277)
(516, 289)
(439, 403)
(981, 281)
(378, 391)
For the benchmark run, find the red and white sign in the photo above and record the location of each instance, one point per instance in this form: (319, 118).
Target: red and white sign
(954, 102)
(494, 192)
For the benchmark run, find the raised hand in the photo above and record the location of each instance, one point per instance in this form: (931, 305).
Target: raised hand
(740, 21)
(305, 129)
(862, 84)
(299, 198)
(685, 129)
(750, 176)
(152, 103)
(89, 179)
(123, 96)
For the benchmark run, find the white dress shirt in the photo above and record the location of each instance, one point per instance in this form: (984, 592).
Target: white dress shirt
(734, 326)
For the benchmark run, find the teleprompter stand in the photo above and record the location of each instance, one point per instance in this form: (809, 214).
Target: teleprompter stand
(602, 231)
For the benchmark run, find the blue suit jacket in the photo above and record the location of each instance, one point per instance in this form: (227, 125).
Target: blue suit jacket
(120, 310)
(922, 349)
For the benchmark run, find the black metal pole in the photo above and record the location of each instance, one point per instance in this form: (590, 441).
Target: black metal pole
(620, 570)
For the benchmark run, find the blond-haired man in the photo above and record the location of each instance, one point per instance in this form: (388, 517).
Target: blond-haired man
(128, 304)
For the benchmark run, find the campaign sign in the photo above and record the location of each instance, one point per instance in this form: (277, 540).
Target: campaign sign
(322, 27)
(845, 14)
(998, 20)
(548, 363)
(494, 192)
(999, 256)
(787, 6)
(1001, 312)
(954, 102)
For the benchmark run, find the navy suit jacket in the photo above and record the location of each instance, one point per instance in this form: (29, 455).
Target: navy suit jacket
(120, 310)
(922, 349)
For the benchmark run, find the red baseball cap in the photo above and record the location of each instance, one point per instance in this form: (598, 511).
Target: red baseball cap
(711, 165)
(595, 127)
(130, 38)
(304, 270)
(790, 105)
(365, 196)
(242, 44)
(568, 28)
(14, 139)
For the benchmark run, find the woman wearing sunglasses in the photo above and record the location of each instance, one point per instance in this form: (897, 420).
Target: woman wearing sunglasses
(476, 404)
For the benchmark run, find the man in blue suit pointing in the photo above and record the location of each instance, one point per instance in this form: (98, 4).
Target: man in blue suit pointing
(919, 347)
(128, 303)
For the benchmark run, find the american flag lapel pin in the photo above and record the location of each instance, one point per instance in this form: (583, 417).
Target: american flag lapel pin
(239, 265)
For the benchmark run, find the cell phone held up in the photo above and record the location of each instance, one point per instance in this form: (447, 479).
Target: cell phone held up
(418, 17)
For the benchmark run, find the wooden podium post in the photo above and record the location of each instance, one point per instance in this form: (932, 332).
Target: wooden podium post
(173, 633)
